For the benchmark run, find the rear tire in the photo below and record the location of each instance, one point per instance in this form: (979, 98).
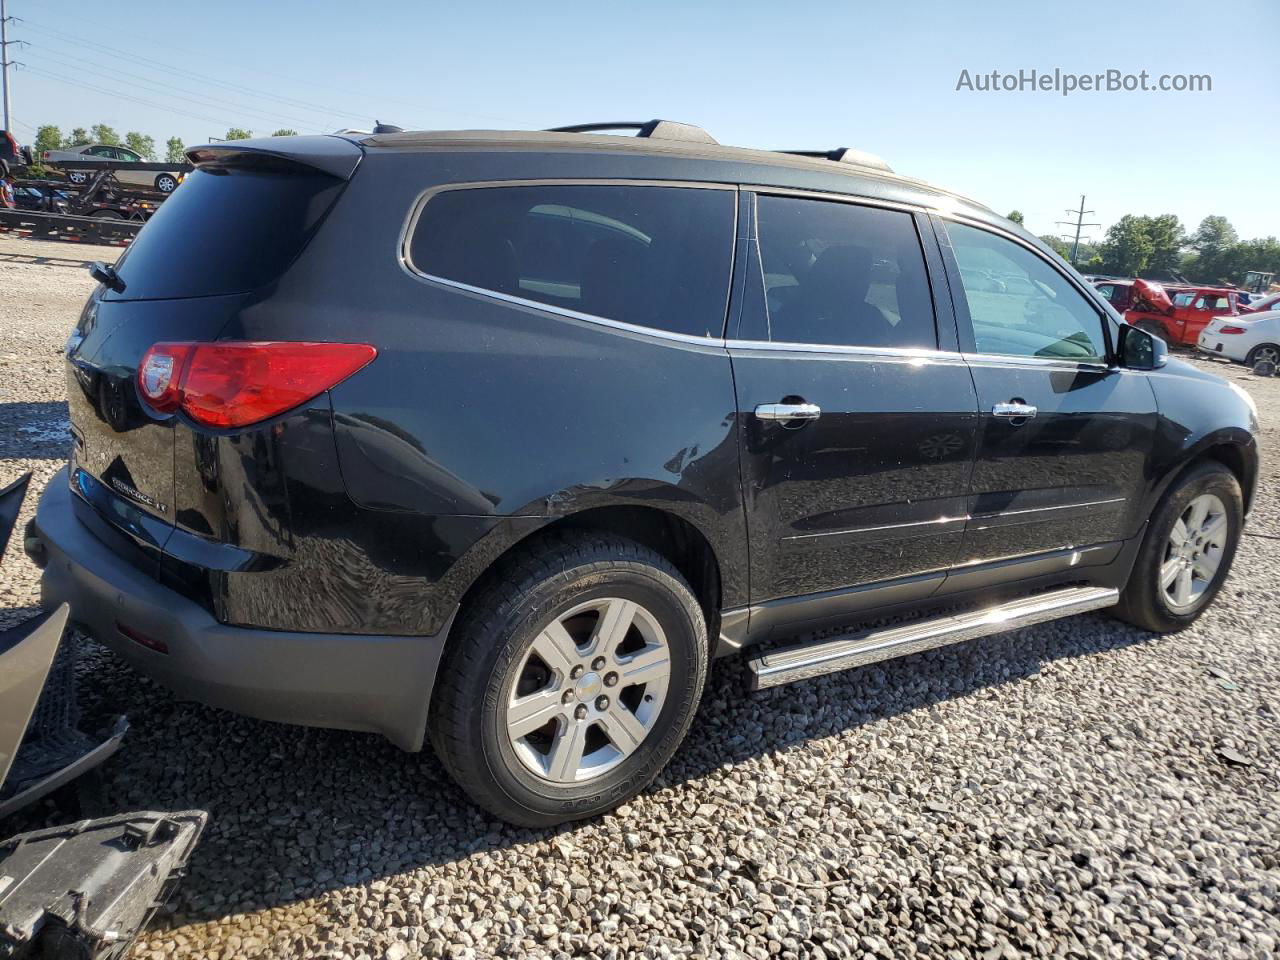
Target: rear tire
(1263, 351)
(555, 700)
(166, 183)
(1187, 551)
(78, 177)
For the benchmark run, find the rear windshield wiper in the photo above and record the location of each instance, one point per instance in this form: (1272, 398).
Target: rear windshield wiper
(106, 274)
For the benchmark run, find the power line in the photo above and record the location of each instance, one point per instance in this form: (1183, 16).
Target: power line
(4, 62)
(310, 81)
(64, 37)
(161, 87)
(1079, 225)
(125, 96)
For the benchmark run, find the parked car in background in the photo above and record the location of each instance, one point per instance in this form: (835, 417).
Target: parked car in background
(12, 154)
(496, 438)
(1247, 338)
(1177, 315)
(165, 181)
(1261, 303)
(1118, 293)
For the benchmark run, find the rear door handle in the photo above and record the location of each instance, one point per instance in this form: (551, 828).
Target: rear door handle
(1014, 411)
(788, 411)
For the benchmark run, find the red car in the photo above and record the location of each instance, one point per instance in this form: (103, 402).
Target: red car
(1178, 314)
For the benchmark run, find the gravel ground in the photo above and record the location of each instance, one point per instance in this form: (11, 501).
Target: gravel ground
(1059, 791)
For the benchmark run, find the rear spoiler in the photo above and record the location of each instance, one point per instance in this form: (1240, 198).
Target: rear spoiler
(335, 156)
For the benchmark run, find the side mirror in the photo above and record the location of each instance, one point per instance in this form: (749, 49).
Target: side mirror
(1140, 350)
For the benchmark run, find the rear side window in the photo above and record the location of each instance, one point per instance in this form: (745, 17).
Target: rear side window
(843, 274)
(657, 257)
(226, 230)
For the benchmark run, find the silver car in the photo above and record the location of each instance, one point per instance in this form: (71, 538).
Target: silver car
(166, 181)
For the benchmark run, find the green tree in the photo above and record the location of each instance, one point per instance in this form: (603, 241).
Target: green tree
(48, 137)
(1127, 249)
(140, 144)
(1167, 240)
(1057, 244)
(237, 133)
(285, 132)
(101, 133)
(1016, 216)
(174, 151)
(1212, 242)
(78, 137)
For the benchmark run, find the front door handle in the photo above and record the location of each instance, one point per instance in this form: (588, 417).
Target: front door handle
(1015, 410)
(788, 411)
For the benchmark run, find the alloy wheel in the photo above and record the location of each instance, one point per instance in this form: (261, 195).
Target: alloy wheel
(588, 690)
(1270, 354)
(1194, 552)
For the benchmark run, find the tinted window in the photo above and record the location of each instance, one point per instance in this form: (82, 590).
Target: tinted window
(1213, 301)
(226, 230)
(1018, 304)
(837, 273)
(656, 257)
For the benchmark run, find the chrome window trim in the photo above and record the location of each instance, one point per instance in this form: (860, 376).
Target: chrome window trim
(854, 198)
(1004, 360)
(425, 197)
(895, 354)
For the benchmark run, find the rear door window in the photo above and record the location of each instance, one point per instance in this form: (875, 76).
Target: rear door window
(843, 274)
(229, 229)
(657, 257)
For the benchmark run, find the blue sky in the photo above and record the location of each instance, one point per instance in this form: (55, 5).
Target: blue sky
(880, 76)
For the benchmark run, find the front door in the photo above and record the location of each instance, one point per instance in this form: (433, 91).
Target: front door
(857, 431)
(1066, 435)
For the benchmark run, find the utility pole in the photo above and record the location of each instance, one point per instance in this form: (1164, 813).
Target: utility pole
(1079, 225)
(4, 63)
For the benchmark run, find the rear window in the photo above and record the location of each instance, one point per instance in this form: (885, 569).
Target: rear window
(657, 257)
(226, 230)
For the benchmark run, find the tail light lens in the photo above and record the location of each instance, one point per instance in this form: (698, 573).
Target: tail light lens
(1231, 329)
(238, 383)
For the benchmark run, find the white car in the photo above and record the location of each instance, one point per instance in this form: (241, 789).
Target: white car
(1246, 338)
(164, 181)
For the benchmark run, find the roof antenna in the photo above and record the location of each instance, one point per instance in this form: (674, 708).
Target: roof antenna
(380, 127)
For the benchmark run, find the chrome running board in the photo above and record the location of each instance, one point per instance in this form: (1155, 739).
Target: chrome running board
(788, 664)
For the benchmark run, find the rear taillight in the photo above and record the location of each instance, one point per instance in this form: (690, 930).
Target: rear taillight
(1232, 330)
(234, 384)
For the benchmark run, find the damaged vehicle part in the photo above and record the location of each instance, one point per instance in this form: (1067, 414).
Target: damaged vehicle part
(84, 890)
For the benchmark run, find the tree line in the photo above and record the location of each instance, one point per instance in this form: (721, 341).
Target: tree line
(1161, 247)
(50, 137)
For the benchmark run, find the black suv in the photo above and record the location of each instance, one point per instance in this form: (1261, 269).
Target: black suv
(498, 438)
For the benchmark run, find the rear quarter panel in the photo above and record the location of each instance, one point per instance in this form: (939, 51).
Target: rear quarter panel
(501, 417)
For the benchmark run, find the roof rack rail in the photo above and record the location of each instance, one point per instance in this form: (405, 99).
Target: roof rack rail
(852, 155)
(653, 129)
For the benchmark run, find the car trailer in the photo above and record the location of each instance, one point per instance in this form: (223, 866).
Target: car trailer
(94, 214)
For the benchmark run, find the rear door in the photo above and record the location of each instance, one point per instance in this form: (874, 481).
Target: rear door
(1066, 436)
(857, 423)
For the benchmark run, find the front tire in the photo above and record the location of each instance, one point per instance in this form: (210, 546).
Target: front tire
(570, 681)
(166, 183)
(1187, 551)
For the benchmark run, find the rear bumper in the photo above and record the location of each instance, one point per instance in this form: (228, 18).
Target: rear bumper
(351, 682)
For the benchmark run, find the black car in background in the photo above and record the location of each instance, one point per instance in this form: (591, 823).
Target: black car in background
(497, 438)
